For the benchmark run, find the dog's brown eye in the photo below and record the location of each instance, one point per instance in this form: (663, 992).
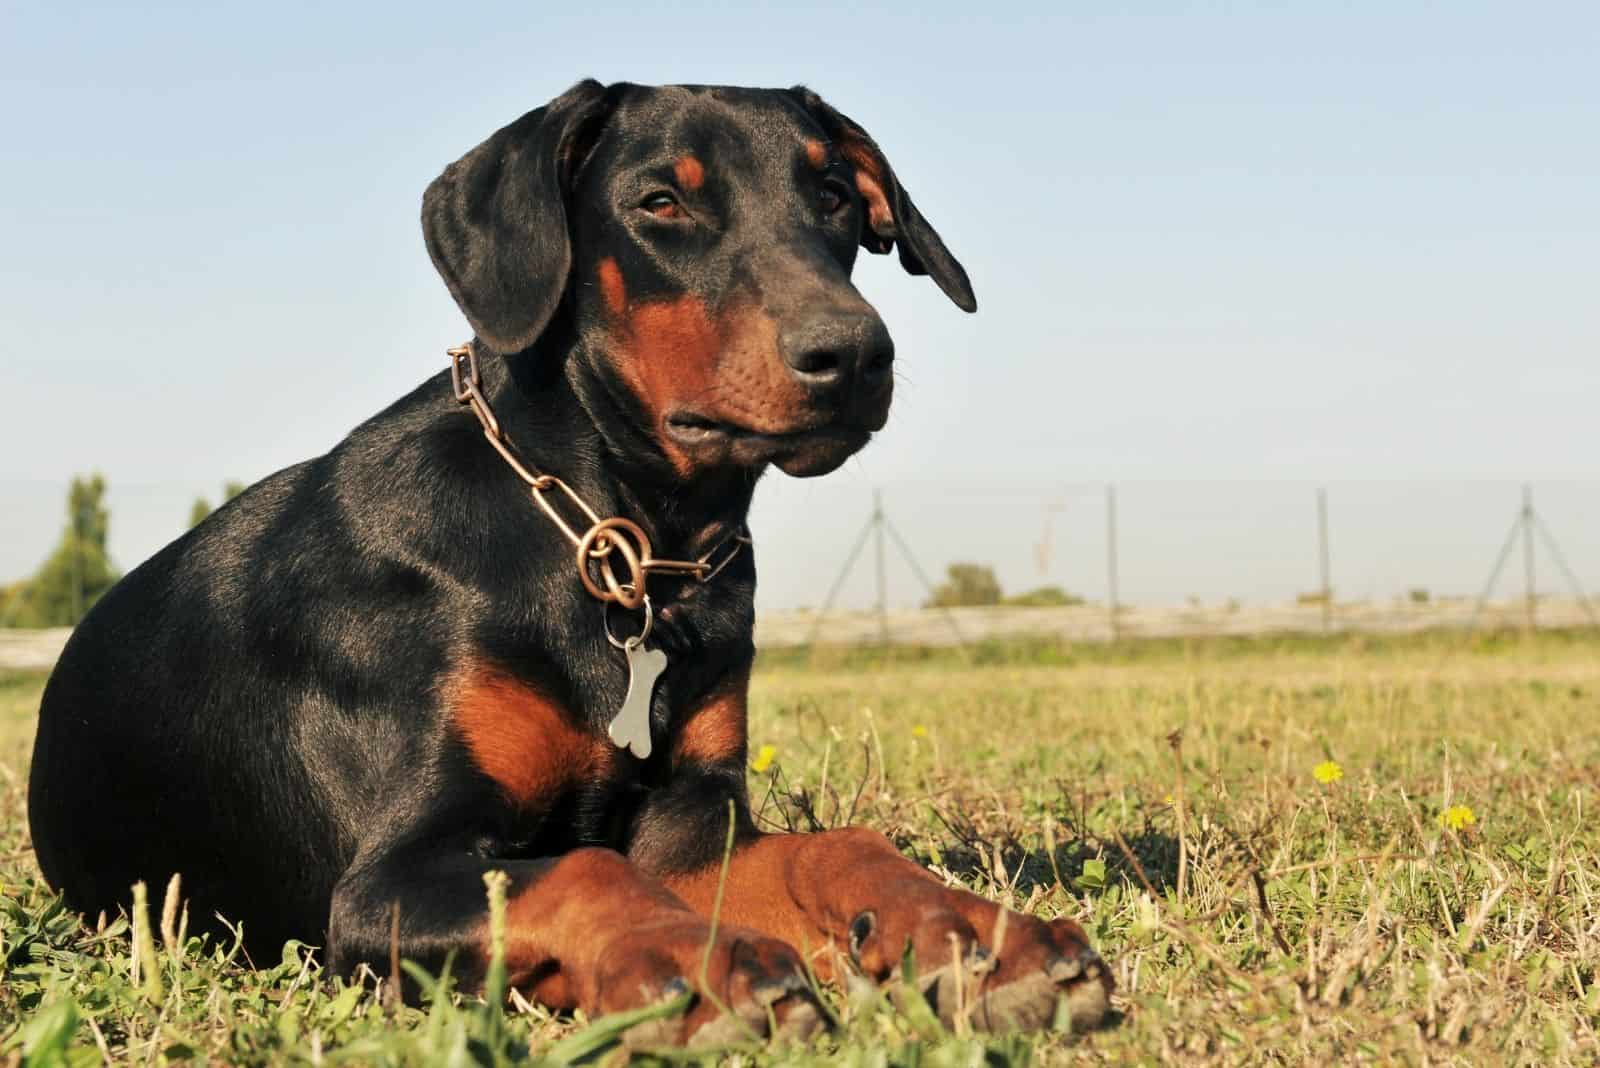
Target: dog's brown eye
(830, 199)
(662, 206)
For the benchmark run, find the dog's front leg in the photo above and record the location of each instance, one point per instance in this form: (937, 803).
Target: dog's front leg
(848, 896)
(584, 930)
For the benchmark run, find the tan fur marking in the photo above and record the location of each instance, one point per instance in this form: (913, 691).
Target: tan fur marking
(758, 895)
(670, 350)
(871, 182)
(691, 173)
(522, 739)
(673, 345)
(612, 290)
(792, 886)
(716, 731)
(816, 154)
(754, 386)
(554, 926)
(674, 352)
(807, 888)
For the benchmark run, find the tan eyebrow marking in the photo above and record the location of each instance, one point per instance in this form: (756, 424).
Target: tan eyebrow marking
(691, 172)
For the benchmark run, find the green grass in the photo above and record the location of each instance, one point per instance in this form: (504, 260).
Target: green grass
(1160, 792)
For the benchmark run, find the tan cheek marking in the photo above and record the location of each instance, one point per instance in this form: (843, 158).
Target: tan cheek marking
(673, 345)
(690, 172)
(612, 290)
(674, 351)
(716, 731)
(816, 154)
(522, 739)
(668, 349)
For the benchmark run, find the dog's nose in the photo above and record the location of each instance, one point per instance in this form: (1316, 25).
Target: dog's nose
(827, 355)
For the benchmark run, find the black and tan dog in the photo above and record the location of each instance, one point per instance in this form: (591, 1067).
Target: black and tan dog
(380, 674)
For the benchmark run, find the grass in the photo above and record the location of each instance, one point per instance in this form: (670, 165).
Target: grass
(1166, 794)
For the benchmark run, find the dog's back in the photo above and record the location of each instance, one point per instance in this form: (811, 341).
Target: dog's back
(135, 772)
(200, 719)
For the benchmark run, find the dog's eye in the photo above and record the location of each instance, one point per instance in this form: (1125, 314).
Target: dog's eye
(662, 206)
(830, 198)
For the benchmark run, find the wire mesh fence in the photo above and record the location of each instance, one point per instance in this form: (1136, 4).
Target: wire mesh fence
(1193, 558)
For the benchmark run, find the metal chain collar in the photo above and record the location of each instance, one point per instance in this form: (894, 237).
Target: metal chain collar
(605, 541)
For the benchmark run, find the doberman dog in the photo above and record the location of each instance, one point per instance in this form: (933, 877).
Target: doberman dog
(378, 675)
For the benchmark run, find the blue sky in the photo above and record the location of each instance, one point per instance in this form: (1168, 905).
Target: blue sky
(1254, 246)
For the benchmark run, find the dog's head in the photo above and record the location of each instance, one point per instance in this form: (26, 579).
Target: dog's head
(701, 239)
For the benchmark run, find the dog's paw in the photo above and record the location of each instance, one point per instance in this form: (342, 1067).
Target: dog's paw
(754, 986)
(1040, 966)
(997, 975)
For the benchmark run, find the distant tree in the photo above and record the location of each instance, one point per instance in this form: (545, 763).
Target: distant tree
(966, 584)
(1044, 597)
(76, 573)
(202, 507)
(12, 598)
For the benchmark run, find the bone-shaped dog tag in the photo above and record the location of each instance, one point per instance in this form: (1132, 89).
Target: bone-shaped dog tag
(630, 728)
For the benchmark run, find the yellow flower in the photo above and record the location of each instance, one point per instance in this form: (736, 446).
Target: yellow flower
(1327, 772)
(919, 731)
(1169, 800)
(1457, 817)
(764, 758)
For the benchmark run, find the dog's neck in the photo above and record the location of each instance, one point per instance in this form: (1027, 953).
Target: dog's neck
(571, 420)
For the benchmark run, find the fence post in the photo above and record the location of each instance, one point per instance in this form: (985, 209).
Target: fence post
(1532, 598)
(1322, 547)
(883, 580)
(1111, 561)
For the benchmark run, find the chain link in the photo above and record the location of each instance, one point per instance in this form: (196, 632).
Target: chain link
(604, 541)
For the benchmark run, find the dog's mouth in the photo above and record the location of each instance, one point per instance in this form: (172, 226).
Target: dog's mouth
(802, 451)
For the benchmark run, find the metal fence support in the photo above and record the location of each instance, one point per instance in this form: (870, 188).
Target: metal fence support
(1111, 562)
(1322, 556)
(1528, 589)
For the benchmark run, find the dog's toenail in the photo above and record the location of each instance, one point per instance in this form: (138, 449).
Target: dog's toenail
(773, 990)
(861, 929)
(1064, 969)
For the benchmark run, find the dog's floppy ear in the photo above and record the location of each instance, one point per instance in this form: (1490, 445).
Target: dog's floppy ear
(495, 221)
(891, 215)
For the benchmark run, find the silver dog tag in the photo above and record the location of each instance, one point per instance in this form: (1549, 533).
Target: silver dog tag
(630, 728)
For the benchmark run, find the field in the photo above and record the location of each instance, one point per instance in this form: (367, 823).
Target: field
(1293, 850)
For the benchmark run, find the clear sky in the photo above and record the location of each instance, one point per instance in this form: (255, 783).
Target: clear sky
(1222, 253)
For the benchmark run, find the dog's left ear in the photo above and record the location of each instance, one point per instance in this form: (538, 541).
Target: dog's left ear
(495, 221)
(891, 215)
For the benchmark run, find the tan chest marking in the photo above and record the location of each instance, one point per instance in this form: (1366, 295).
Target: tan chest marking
(525, 741)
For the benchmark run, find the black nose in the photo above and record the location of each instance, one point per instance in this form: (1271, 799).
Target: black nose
(828, 354)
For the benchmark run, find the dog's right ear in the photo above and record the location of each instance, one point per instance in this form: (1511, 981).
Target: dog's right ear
(495, 221)
(892, 219)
